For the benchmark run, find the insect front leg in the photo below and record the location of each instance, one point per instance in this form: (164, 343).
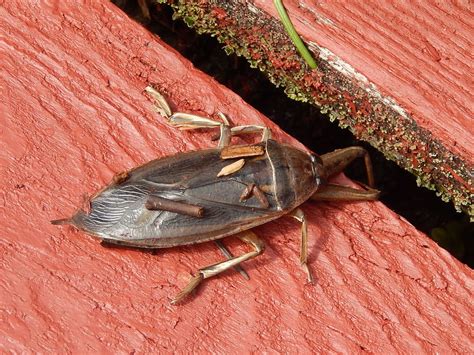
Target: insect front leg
(298, 214)
(336, 161)
(215, 269)
(333, 192)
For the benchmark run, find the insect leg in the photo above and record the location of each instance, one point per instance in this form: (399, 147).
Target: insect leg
(332, 192)
(336, 161)
(298, 214)
(161, 105)
(185, 121)
(212, 270)
(250, 129)
(228, 255)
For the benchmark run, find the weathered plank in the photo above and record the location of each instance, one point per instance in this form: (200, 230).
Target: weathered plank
(74, 114)
(398, 75)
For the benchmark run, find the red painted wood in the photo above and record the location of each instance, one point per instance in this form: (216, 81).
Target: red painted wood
(73, 115)
(419, 53)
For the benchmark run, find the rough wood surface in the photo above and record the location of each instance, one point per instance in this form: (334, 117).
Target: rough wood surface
(74, 114)
(398, 75)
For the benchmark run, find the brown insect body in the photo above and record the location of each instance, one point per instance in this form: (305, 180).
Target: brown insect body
(210, 194)
(120, 213)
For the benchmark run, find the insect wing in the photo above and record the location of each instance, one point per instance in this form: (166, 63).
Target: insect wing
(119, 212)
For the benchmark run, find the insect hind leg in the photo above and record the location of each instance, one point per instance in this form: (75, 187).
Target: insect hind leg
(228, 255)
(186, 121)
(212, 270)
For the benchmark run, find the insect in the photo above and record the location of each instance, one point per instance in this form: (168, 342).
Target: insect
(210, 194)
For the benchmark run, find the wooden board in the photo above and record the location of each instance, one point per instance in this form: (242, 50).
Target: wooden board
(74, 114)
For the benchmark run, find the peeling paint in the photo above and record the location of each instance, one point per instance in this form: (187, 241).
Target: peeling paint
(346, 69)
(337, 63)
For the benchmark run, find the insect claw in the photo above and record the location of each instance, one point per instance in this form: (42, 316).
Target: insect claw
(161, 104)
(308, 273)
(193, 283)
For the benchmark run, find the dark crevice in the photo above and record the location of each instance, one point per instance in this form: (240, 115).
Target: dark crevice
(400, 192)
